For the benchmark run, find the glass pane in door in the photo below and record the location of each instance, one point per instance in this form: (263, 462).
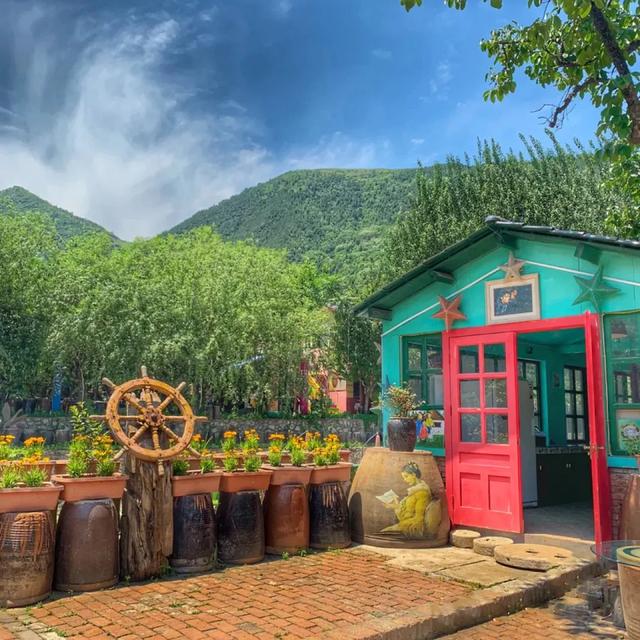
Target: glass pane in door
(497, 429)
(470, 427)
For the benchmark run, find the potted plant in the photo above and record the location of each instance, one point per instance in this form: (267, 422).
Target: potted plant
(25, 489)
(30, 454)
(90, 445)
(327, 465)
(250, 477)
(282, 473)
(401, 427)
(190, 482)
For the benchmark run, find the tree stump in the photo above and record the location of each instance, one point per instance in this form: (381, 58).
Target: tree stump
(146, 526)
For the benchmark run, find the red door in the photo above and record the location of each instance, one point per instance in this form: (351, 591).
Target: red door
(484, 434)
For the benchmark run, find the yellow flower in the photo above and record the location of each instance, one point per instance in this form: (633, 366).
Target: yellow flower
(229, 435)
(197, 438)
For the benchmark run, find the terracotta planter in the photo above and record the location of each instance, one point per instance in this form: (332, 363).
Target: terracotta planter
(340, 472)
(234, 481)
(61, 467)
(288, 474)
(195, 482)
(401, 433)
(345, 455)
(47, 467)
(285, 459)
(629, 574)
(91, 487)
(24, 499)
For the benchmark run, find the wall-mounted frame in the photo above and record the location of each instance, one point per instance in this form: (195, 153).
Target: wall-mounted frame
(512, 300)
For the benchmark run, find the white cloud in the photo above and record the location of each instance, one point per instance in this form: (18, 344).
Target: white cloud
(441, 80)
(122, 149)
(417, 141)
(382, 54)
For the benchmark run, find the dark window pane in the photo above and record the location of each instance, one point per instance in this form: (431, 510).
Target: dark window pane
(568, 379)
(579, 379)
(414, 353)
(470, 393)
(494, 358)
(434, 352)
(495, 392)
(497, 429)
(623, 336)
(415, 384)
(570, 429)
(434, 389)
(580, 429)
(627, 382)
(579, 404)
(469, 360)
(569, 407)
(470, 430)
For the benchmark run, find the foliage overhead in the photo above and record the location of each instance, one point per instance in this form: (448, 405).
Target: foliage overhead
(333, 217)
(18, 201)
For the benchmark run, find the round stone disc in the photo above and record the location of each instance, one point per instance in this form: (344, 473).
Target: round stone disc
(485, 545)
(538, 557)
(463, 538)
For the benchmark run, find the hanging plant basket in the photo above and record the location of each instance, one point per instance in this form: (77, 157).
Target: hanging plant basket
(196, 482)
(340, 472)
(288, 474)
(91, 487)
(234, 481)
(23, 499)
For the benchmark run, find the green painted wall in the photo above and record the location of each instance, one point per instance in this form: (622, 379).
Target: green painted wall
(556, 265)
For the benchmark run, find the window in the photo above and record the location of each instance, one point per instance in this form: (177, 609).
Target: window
(529, 370)
(575, 405)
(622, 350)
(422, 369)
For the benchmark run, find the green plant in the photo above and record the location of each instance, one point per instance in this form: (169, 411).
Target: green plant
(82, 423)
(9, 478)
(285, 555)
(297, 451)
(207, 464)
(320, 457)
(631, 443)
(401, 400)
(105, 467)
(180, 467)
(230, 462)
(34, 477)
(275, 456)
(252, 460)
(77, 467)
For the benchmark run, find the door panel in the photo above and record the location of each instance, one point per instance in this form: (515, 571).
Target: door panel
(485, 456)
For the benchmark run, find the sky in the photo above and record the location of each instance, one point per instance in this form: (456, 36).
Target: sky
(137, 113)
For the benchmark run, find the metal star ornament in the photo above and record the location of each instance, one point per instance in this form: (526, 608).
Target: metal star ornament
(593, 289)
(449, 311)
(512, 268)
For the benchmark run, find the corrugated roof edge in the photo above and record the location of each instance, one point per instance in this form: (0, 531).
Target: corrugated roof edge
(493, 224)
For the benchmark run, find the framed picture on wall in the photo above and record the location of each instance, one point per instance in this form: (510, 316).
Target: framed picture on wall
(627, 423)
(513, 300)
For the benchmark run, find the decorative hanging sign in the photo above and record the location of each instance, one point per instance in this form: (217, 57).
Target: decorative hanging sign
(593, 289)
(449, 311)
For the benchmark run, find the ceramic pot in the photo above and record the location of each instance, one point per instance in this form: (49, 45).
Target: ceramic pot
(340, 472)
(91, 487)
(629, 575)
(328, 516)
(195, 482)
(387, 479)
(23, 499)
(401, 434)
(234, 481)
(286, 517)
(630, 512)
(194, 534)
(27, 546)
(240, 528)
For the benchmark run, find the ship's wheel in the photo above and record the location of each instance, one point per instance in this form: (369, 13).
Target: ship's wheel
(150, 406)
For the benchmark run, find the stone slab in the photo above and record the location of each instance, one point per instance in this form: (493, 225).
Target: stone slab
(538, 557)
(463, 538)
(486, 545)
(435, 559)
(485, 573)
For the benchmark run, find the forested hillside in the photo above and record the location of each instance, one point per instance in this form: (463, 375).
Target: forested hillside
(17, 200)
(332, 216)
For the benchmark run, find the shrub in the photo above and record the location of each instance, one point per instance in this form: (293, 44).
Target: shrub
(207, 464)
(401, 400)
(9, 478)
(105, 467)
(77, 467)
(34, 477)
(180, 467)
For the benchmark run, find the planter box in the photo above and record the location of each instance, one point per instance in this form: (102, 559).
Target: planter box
(47, 467)
(288, 474)
(195, 482)
(340, 472)
(29, 498)
(91, 487)
(345, 455)
(235, 481)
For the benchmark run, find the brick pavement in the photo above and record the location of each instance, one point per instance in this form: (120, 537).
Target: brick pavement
(296, 598)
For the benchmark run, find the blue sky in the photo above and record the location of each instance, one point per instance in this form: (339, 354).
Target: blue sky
(137, 113)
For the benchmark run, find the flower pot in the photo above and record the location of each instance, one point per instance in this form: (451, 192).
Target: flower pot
(401, 434)
(25, 499)
(195, 482)
(234, 481)
(345, 455)
(288, 474)
(340, 472)
(194, 463)
(91, 487)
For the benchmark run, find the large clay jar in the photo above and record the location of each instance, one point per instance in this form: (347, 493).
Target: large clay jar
(401, 434)
(397, 499)
(240, 528)
(629, 574)
(194, 534)
(630, 514)
(27, 544)
(87, 546)
(328, 516)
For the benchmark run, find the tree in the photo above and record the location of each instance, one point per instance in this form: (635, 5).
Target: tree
(585, 49)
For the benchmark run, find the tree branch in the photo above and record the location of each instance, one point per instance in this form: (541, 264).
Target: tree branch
(566, 101)
(616, 54)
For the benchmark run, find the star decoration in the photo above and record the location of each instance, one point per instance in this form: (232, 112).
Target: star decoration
(593, 289)
(512, 268)
(449, 311)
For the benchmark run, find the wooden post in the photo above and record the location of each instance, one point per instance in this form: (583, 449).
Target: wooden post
(146, 539)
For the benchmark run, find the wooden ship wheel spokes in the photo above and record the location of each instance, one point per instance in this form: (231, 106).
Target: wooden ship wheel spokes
(146, 428)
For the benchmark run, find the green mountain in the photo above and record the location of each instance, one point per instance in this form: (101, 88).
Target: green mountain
(16, 200)
(332, 216)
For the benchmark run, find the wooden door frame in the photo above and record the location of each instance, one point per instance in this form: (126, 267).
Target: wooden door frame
(591, 325)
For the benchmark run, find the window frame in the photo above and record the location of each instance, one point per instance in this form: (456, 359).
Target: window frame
(585, 406)
(425, 371)
(537, 388)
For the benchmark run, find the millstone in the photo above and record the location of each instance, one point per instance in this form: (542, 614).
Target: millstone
(463, 538)
(486, 545)
(539, 557)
